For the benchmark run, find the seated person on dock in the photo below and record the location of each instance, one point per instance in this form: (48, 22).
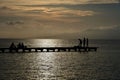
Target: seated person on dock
(79, 45)
(12, 46)
(21, 45)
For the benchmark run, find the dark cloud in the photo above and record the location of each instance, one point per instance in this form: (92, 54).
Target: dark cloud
(14, 22)
(6, 8)
(103, 1)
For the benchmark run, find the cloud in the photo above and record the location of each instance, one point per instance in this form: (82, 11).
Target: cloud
(56, 11)
(13, 2)
(76, 10)
(59, 21)
(108, 32)
(14, 22)
(53, 12)
(5, 8)
(102, 1)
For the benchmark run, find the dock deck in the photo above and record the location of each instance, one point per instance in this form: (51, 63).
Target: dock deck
(48, 49)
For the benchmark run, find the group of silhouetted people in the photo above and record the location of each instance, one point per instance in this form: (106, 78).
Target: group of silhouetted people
(19, 45)
(84, 42)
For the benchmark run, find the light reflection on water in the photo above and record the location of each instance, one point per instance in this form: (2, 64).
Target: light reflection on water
(59, 65)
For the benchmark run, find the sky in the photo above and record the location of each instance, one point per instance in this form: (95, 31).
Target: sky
(96, 19)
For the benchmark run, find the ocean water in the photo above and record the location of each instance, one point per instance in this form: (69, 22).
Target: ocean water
(101, 65)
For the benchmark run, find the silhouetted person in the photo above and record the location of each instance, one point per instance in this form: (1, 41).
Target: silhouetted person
(87, 42)
(84, 42)
(12, 46)
(20, 45)
(80, 42)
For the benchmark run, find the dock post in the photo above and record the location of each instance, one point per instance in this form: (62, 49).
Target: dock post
(16, 50)
(10, 50)
(3, 50)
(41, 50)
(47, 50)
(95, 49)
(29, 50)
(68, 50)
(88, 49)
(79, 49)
(85, 49)
(53, 50)
(36, 50)
(75, 49)
(64, 50)
(58, 50)
(23, 50)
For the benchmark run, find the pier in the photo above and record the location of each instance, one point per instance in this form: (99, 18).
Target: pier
(20, 47)
(48, 49)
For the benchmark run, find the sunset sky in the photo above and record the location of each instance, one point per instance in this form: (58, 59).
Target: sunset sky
(60, 19)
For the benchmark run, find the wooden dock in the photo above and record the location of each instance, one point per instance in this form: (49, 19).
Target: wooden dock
(48, 49)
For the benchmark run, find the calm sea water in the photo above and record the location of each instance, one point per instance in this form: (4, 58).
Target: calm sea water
(101, 65)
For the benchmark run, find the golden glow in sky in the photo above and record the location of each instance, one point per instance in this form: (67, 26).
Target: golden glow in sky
(59, 18)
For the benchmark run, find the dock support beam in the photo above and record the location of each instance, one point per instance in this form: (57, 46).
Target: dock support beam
(36, 50)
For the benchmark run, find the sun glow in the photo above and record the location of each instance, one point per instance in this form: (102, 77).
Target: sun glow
(45, 43)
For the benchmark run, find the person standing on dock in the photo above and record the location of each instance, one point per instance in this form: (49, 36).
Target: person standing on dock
(80, 42)
(84, 42)
(87, 42)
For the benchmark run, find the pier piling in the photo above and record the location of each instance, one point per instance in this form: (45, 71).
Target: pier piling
(49, 49)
